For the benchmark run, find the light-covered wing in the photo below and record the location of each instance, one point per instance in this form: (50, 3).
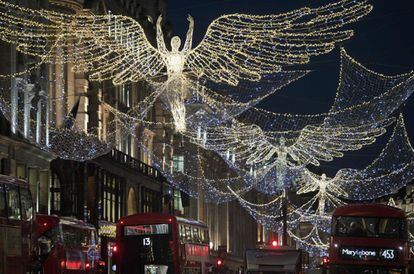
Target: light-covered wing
(388, 173)
(241, 46)
(324, 143)
(106, 46)
(307, 182)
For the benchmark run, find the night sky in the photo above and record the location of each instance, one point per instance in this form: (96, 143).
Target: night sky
(383, 42)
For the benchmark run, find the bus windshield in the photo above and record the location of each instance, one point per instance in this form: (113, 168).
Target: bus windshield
(148, 249)
(75, 237)
(350, 226)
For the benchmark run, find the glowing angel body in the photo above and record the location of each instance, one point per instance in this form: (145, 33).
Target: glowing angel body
(328, 192)
(174, 59)
(175, 89)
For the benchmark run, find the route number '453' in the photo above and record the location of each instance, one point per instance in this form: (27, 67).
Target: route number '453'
(388, 254)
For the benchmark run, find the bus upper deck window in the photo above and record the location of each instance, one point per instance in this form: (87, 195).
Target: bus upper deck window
(182, 231)
(206, 238)
(27, 206)
(3, 211)
(13, 202)
(188, 232)
(196, 236)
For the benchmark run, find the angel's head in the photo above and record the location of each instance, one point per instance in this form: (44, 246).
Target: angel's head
(175, 43)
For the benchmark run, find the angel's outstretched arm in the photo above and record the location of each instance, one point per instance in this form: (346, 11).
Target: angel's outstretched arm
(160, 37)
(189, 38)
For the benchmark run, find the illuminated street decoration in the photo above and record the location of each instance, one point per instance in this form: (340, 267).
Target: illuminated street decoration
(314, 242)
(363, 103)
(326, 190)
(388, 173)
(235, 47)
(232, 146)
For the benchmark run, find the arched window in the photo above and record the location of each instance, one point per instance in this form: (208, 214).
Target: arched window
(131, 202)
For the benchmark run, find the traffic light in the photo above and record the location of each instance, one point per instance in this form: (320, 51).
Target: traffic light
(325, 260)
(274, 243)
(219, 266)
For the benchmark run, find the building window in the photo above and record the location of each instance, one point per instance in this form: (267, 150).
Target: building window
(178, 163)
(112, 197)
(151, 200)
(21, 171)
(33, 178)
(55, 198)
(178, 205)
(125, 94)
(3, 208)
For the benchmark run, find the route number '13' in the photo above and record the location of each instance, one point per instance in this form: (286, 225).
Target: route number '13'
(388, 254)
(146, 241)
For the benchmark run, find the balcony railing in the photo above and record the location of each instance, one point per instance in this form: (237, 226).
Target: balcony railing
(134, 163)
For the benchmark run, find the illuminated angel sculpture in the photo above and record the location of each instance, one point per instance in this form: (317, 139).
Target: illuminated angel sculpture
(235, 47)
(327, 192)
(386, 174)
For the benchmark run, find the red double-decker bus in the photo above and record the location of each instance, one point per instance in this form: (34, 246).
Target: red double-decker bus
(368, 238)
(155, 243)
(16, 226)
(67, 245)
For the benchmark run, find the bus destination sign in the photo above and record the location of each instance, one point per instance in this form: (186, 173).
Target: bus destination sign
(366, 253)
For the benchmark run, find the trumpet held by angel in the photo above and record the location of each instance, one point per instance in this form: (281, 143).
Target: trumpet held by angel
(235, 47)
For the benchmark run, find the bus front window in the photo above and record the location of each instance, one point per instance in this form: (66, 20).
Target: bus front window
(347, 226)
(147, 249)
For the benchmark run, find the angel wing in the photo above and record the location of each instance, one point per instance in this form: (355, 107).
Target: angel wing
(241, 46)
(315, 143)
(388, 173)
(323, 143)
(106, 46)
(307, 182)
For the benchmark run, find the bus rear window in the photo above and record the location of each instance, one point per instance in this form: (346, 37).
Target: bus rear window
(48, 240)
(27, 205)
(146, 229)
(348, 226)
(13, 202)
(74, 237)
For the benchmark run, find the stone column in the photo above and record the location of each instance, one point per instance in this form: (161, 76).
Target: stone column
(28, 97)
(14, 98)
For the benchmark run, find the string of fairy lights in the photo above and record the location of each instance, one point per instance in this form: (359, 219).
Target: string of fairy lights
(230, 147)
